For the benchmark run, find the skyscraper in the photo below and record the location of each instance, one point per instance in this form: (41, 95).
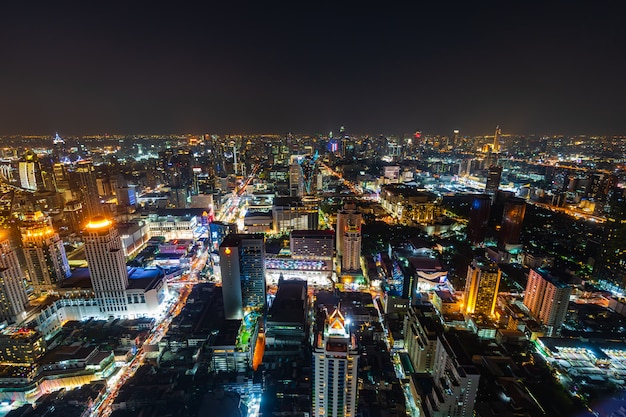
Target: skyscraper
(13, 298)
(512, 220)
(31, 177)
(44, 252)
(87, 188)
(547, 298)
(351, 259)
(107, 266)
(481, 287)
(494, 174)
(496, 140)
(296, 178)
(335, 365)
(478, 219)
(349, 221)
(242, 263)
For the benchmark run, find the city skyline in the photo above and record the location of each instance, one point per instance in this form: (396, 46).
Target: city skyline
(250, 68)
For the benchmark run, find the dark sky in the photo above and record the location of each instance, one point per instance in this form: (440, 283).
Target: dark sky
(96, 67)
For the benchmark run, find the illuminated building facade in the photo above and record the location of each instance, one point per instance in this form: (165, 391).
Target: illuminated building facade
(19, 345)
(291, 213)
(107, 266)
(31, 176)
(46, 260)
(547, 298)
(335, 365)
(312, 244)
(242, 263)
(348, 217)
(512, 220)
(478, 219)
(481, 287)
(351, 259)
(13, 298)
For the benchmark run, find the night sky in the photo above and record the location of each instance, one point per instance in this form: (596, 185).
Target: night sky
(111, 67)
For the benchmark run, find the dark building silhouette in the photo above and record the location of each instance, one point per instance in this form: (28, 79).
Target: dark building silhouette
(478, 219)
(494, 174)
(512, 219)
(86, 188)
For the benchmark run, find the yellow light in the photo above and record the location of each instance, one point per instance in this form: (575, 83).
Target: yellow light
(227, 251)
(99, 223)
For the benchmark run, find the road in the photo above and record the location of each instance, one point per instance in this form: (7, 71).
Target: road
(103, 408)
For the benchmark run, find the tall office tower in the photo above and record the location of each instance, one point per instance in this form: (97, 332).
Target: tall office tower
(177, 164)
(456, 140)
(312, 244)
(74, 216)
(31, 177)
(512, 220)
(85, 182)
(295, 213)
(547, 298)
(296, 179)
(349, 215)
(351, 259)
(611, 265)
(448, 378)
(44, 252)
(59, 172)
(335, 363)
(478, 219)
(421, 333)
(494, 174)
(481, 287)
(496, 140)
(107, 266)
(13, 298)
(242, 263)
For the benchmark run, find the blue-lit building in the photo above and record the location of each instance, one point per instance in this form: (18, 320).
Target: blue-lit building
(242, 262)
(218, 231)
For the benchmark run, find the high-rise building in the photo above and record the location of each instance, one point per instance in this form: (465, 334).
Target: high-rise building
(44, 252)
(496, 140)
(296, 179)
(481, 287)
(547, 298)
(107, 266)
(478, 219)
(13, 298)
(242, 264)
(351, 259)
(494, 175)
(87, 188)
(512, 220)
(335, 366)
(294, 213)
(445, 375)
(348, 216)
(74, 216)
(31, 177)
(312, 244)
(421, 333)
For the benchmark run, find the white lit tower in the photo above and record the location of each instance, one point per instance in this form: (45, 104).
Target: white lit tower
(46, 260)
(13, 298)
(496, 140)
(107, 266)
(335, 366)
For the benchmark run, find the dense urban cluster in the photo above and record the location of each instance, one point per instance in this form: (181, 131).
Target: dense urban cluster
(326, 275)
